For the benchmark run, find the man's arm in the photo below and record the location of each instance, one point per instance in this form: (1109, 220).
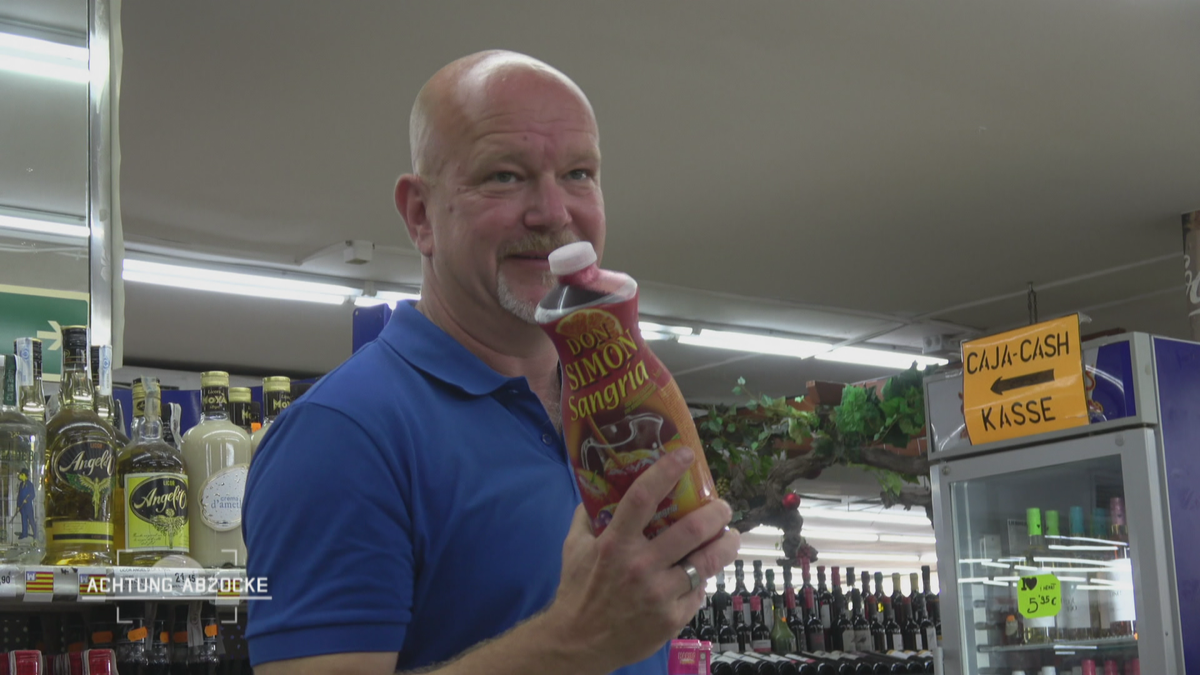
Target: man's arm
(620, 599)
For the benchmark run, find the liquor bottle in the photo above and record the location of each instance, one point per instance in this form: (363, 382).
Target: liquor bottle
(277, 396)
(727, 637)
(760, 636)
(1122, 618)
(915, 597)
(708, 628)
(897, 595)
(239, 408)
(739, 589)
(824, 600)
(159, 655)
(741, 628)
(933, 604)
(22, 472)
(776, 598)
(101, 367)
(170, 418)
(133, 640)
(814, 629)
(80, 475)
(721, 602)
(217, 456)
(760, 590)
(1037, 630)
(152, 491)
(205, 659)
(32, 398)
(879, 595)
(139, 407)
(929, 637)
(893, 638)
(868, 598)
(179, 640)
(862, 627)
(783, 641)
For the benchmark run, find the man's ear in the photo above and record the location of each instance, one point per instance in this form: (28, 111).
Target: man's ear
(412, 199)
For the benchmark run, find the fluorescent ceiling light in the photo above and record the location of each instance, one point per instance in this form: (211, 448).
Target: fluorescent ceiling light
(869, 557)
(43, 58)
(749, 342)
(384, 297)
(8, 222)
(768, 530)
(929, 558)
(865, 516)
(880, 357)
(906, 539)
(235, 283)
(838, 535)
(761, 552)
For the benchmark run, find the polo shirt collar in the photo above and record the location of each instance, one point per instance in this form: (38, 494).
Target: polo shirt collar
(433, 351)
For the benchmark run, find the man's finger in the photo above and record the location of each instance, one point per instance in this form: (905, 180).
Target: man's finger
(641, 501)
(693, 531)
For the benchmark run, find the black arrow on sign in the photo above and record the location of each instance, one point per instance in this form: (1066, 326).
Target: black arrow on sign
(1002, 385)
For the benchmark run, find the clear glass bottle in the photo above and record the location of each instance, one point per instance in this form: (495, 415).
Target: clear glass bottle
(139, 408)
(217, 455)
(1042, 629)
(82, 468)
(22, 469)
(105, 407)
(31, 397)
(277, 396)
(152, 486)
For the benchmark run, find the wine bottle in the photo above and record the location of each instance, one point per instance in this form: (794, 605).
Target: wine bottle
(933, 605)
(862, 627)
(838, 599)
(1123, 615)
(888, 664)
(761, 591)
(915, 597)
(844, 665)
(740, 628)
(814, 628)
(22, 468)
(782, 639)
(897, 596)
(843, 629)
(708, 630)
(687, 632)
(722, 664)
(929, 638)
(795, 621)
(727, 637)
(760, 637)
(83, 450)
(759, 664)
(824, 600)
(817, 666)
(868, 598)
(878, 636)
(863, 665)
(721, 603)
(739, 589)
(785, 666)
(909, 629)
(1037, 630)
(775, 596)
(806, 582)
(851, 591)
(893, 638)
(879, 596)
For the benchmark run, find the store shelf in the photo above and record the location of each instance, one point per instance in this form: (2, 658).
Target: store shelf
(1065, 645)
(35, 584)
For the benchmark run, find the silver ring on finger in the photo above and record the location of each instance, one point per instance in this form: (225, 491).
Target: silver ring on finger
(693, 574)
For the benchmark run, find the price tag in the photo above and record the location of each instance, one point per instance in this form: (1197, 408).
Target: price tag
(11, 581)
(1039, 596)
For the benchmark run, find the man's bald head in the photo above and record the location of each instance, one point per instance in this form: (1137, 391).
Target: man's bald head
(458, 91)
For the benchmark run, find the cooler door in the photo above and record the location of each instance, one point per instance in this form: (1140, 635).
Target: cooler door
(1097, 535)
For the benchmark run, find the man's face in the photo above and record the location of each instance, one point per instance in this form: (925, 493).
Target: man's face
(521, 177)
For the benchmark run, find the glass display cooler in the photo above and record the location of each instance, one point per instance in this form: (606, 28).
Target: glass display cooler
(1110, 509)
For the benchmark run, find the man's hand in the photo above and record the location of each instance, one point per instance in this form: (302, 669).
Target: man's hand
(622, 596)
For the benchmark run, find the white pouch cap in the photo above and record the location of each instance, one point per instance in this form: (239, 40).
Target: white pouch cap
(572, 258)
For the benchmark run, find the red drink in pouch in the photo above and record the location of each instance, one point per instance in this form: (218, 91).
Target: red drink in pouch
(621, 409)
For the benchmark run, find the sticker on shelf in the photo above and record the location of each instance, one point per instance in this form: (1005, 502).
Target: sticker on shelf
(39, 584)
(11, 583)
(94, 584)
(1039, 596)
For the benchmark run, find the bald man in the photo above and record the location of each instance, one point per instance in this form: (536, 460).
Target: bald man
(457, 541)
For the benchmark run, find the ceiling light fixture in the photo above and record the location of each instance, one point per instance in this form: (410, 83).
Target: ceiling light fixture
(749, 342)
(880, 357)
(906, 539)
(865, 517)
(840, 535)
(42, 226)
(43, 58)
(235, 283)
(871, 557)
(761, 552)
(389, 298)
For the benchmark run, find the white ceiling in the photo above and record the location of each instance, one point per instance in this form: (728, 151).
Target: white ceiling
(843, 169)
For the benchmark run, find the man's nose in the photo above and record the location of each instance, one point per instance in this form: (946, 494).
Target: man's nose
(547, 207)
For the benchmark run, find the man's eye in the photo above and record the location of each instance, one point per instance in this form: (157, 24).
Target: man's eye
(579, 174)
(504, 177)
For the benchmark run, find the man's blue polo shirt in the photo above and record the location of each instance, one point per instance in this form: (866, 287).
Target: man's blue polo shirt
(415, 500)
